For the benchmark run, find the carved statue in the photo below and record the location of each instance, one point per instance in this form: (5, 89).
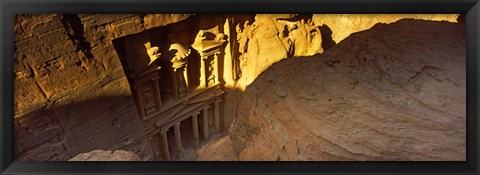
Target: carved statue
(200, 37)
(220, 37)
(154, 54)
(179, 63)
(178, 60)
(243, 38)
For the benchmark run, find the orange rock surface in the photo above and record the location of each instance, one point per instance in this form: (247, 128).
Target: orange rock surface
(394, 92)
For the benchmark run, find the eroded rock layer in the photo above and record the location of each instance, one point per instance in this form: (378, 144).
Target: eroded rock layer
(394, 92)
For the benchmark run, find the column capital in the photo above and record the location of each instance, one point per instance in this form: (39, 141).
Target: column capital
(196, 114)
(164, 130)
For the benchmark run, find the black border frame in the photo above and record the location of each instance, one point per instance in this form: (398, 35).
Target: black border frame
(8, 8)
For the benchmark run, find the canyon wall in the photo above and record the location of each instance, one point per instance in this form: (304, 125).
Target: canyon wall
(72, 94)
(265, 39)
(342, 25)
(394, 92)
(270, 38)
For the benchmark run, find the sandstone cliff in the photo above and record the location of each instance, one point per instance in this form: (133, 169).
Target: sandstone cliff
(394, 92)
(101, 155)
(72, 94)
(271, 38)
(265, 39)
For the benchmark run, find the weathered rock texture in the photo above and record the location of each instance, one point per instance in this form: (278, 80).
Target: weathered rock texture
(71, 93)
(271, 38)
(219, 150)
(264, 39)
(394, 92)
(101, 155)
(342, 25)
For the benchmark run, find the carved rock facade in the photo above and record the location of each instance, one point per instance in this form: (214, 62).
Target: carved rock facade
(71, 93)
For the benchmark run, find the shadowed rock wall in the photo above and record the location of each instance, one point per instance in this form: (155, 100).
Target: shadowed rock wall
(71, 94)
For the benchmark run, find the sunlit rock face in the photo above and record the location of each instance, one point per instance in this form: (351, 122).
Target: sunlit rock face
(342, 25)
(275, 37)
(59, 54)
(101, 155)
(264, 39)
(271, 38)
(71, 94)
(394, 92)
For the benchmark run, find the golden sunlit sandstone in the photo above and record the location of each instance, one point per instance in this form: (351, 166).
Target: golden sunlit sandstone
(394, 92)
(101, 155)
(74, 92)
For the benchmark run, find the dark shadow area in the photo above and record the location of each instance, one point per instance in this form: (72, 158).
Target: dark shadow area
(75, 31)
(462, 18)
(210, 36)
(304, 17)
(327, 40)
(133, 56)
(194, 68)
(107, 123)
(237, 24)
(63, 131)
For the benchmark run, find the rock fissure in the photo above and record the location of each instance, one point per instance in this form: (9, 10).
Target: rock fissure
(75, 31)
